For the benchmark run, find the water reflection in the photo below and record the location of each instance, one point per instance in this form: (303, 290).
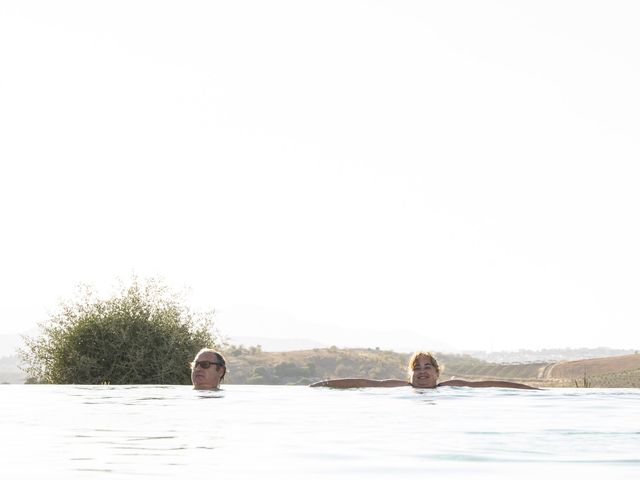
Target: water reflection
(156, 431)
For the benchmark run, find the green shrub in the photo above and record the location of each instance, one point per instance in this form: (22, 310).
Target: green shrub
(142, 335)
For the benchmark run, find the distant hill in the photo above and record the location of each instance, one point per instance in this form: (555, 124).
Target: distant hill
(595, 367)
(9, 344)
(547, 354)
(251, 365)
(307, 366)
(9, 371)
(268, 344)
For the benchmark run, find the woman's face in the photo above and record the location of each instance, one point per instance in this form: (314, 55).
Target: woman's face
(424, 374)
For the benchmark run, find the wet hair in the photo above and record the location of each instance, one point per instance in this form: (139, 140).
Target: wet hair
(413, 361)
(219, 358)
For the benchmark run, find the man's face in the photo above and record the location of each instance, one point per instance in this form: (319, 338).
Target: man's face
(206, 378)
(425, 374)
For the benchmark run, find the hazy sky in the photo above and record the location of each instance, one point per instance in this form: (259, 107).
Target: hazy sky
(465, 172)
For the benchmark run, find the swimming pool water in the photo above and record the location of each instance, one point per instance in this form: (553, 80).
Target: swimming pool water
(299, 432)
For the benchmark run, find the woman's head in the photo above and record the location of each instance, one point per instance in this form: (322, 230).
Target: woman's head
(423, 370)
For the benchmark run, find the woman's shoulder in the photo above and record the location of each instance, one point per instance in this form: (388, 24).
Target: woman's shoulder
(484, 384)
(453, 383)
(393, 383)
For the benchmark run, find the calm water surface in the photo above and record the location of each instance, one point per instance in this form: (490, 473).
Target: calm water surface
(299, 432)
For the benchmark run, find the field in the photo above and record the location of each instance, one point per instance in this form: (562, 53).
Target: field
(595, 366)
(307, 366)
(252, 366)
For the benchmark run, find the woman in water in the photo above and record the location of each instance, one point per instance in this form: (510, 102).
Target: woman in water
(423, 371)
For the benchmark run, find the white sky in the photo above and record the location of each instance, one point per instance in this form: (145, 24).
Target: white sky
(466, 172)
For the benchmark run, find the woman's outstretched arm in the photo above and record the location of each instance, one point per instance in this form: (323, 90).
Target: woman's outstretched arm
(486, 383)
(359, 383)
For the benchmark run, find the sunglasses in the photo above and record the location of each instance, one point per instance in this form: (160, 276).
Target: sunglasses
(205, 364)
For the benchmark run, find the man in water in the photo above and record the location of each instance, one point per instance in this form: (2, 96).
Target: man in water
(207, 369)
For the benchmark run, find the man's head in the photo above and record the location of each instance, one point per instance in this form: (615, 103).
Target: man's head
(207, 369)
